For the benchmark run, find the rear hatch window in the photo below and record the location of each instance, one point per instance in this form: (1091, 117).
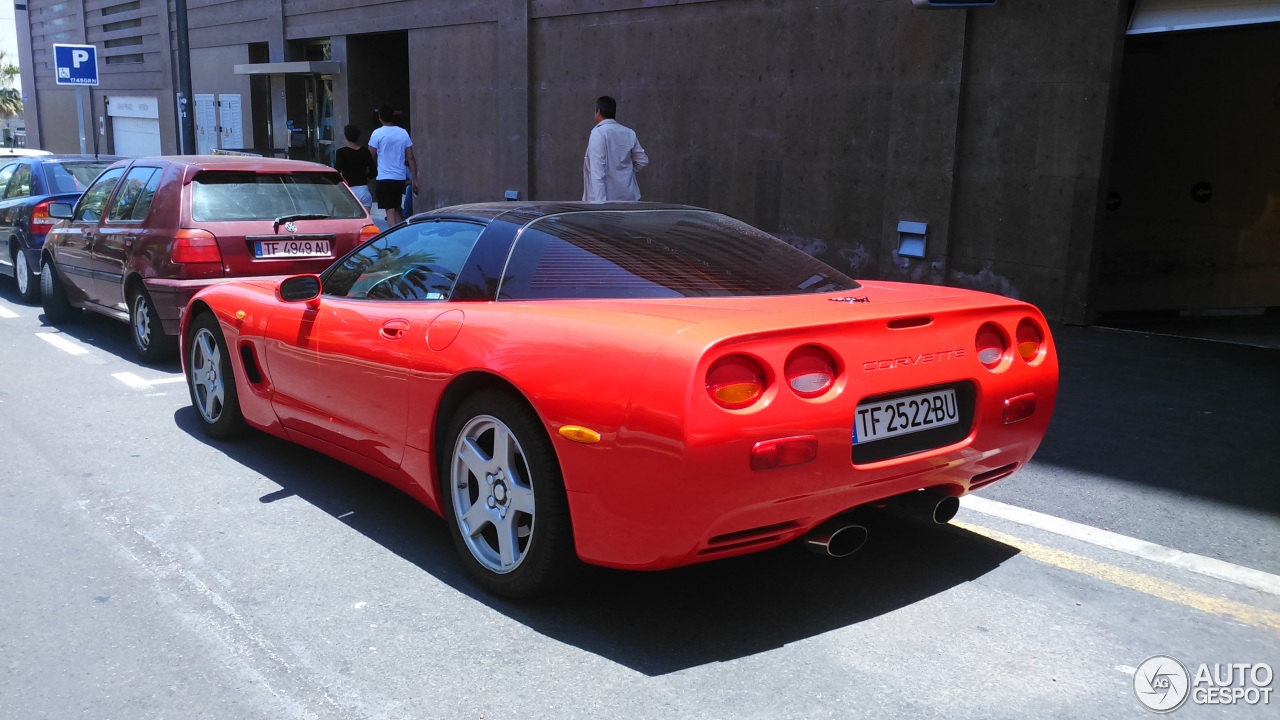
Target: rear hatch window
(219, 196)
(276, 223)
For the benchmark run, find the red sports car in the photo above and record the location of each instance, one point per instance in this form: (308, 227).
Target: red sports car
(629, 385)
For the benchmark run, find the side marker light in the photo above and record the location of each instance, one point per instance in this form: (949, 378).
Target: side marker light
(579, 434)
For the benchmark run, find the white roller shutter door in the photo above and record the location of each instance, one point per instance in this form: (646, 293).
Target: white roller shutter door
(135, 137)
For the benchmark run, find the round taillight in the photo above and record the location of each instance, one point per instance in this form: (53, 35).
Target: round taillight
(1030, 340)
(991, 345)
(810, 371)
(735, 382)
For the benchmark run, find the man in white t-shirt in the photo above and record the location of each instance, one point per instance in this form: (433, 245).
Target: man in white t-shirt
(392, 150)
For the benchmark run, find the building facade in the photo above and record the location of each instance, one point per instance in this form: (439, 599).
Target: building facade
(852, 129)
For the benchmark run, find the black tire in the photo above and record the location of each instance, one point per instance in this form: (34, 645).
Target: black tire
(211, 380)
(25, 278)
(149, 338)
(53, 297)
(530, 480)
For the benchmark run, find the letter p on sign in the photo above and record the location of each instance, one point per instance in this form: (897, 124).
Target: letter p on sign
(79, 56)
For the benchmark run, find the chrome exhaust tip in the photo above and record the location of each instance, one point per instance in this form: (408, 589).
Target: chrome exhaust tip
(936, 504)
(836, 538)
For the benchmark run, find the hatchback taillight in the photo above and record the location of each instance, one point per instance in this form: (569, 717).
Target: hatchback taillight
(991, 345)
(40, 220)
(735, 382)
(195, 246)
(368, 232)
(810, 371)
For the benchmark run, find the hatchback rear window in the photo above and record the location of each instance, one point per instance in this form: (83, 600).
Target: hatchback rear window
(227, 196)
(657, 254)
(72, 177)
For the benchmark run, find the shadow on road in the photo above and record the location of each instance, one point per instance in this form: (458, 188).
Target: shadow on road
(655, 623)
(92, 330)
(1193, 416)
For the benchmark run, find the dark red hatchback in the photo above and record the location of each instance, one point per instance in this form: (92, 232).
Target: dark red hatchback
(151, 232)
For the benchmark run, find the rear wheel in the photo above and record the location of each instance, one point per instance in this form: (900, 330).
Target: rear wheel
(53, 297)
(210, 379)
(149, 337)
(504, 497)
(28, 285)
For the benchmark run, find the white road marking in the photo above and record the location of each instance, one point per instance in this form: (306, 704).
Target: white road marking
(62, 343)
(139, 383)
(1210, 567)
(6, 313)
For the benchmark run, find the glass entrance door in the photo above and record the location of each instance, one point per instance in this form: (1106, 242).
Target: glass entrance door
(310, 106)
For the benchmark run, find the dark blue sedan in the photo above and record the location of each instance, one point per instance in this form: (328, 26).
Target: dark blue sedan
(27, 186)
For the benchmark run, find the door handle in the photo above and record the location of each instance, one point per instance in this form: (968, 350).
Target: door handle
(395, 329)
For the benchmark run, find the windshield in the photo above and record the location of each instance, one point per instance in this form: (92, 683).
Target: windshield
(72, 177)
(658, 254)
(224, 196)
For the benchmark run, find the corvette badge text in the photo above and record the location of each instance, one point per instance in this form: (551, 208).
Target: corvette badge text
(910, 360)
(1163, 684)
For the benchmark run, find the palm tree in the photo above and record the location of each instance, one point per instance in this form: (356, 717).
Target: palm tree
(10, 98)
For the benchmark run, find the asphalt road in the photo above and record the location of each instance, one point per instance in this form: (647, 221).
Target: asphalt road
(146, 572)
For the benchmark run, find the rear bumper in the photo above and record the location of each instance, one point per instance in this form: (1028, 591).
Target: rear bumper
(170, 298)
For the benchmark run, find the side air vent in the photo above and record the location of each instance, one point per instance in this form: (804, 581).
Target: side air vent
(250, 364)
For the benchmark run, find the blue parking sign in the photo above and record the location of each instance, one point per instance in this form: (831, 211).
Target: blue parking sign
(75, 64)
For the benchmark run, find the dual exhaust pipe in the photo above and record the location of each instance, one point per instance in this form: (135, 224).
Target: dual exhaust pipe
(843, 535)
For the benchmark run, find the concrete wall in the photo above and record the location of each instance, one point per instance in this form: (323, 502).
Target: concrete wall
(825, 122)
(1195, 108)
(1039, 80)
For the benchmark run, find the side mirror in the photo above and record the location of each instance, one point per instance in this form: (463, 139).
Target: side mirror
(299, 288)
(61, 211)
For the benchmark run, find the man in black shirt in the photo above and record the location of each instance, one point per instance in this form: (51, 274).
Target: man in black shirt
(355, 162)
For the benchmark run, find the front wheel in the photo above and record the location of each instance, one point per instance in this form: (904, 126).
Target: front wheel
(504, 497)
(149, 338)
(28, 285)
(210, 380)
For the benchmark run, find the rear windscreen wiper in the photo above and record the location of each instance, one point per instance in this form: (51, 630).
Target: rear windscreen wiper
(275, 227)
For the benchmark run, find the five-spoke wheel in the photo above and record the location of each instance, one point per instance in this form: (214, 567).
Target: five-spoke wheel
(209, 378)
(505, 498)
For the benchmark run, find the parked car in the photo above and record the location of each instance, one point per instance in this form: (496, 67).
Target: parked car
(28, 185)
(151, 232)
(629, 385)
(10, 152)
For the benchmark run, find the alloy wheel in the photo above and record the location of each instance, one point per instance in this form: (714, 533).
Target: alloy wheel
(207, 382)
(142, 321)
(493, 498)
(22, 273)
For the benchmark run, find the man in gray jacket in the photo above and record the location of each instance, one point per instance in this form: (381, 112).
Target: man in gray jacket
(613, 157)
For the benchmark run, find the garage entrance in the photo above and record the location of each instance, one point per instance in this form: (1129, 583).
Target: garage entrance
(135, 125)
(1192, 219)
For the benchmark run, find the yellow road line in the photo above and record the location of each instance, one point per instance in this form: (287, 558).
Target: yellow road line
(1155, 587)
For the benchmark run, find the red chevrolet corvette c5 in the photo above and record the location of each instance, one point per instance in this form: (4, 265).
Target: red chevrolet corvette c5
(629, 385)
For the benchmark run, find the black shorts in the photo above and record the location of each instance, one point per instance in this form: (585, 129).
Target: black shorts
(390, 193)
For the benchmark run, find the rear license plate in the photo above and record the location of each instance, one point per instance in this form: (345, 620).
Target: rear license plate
(291, 248)
(901, 416)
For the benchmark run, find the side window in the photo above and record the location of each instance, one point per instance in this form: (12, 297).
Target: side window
(420, 261)
(6, 172)
(131, 190)
(20, 183)
(143, 205)
(89, 209)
